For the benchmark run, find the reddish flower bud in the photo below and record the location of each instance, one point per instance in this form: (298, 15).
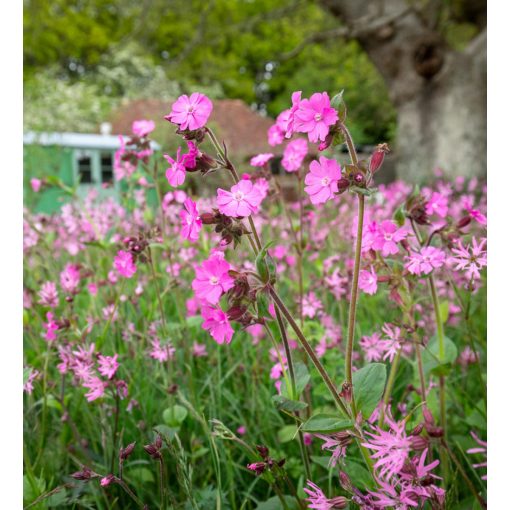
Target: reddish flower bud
(377, 158)
(339, 502)
(263, 451)
(107, 480)
(345, 481)
(343, 184)
(208, 218)
(258, 467)
(127, 451)
(346, 392)
(84, 474)
(419, 443)
(464, 222)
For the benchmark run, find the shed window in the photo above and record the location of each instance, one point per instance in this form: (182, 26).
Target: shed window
(85, 169)
(106, 168)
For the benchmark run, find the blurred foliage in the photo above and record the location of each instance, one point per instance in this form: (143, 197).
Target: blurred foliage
(82, 56)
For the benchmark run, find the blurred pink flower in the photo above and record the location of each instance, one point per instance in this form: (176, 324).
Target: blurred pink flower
(437, 204)
(368, 281)
(48, 295)
(242, 200)
(261, 159)
(199, 350)
(294, 154)
(36, 184)
(191, 112)
(124, 264)
(108, 365)
(191, 223)
(96, 388)
(425, 261)
(275, 135)
(322, 180)
(51, 326)
(176, 172)
(70, 278)
(142, 128)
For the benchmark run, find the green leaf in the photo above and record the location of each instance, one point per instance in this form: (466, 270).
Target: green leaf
(399, 216)
(444, 311)
(175, 415)
(432, 361)
(261, 263)
(358, 474)
(166, 432)
(263, 304)
(368, 387)
(287, 433)
(283, 403)
(361, 191)
(327, 423)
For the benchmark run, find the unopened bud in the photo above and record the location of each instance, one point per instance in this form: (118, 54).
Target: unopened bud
(377, 158)
(263, 451)
(419, 443)
(208, 218)
(464, 222)
(339, 502)
(327, 142)
(258, 467)
(127, 451)
(107, 480)
(343, 184)
(346, 392)
(84, 474)
(345, 481)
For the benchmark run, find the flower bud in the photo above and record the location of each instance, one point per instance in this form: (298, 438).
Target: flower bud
(127, 451)
(343, 184)
(107, 480)
(84, 474)
(377, 158)
(327, 142)
(339, 502)
(464, 222)
(263, 451)
(208, 218)
(258, 467)
(419, 443)
(345, 481)
(346, 392)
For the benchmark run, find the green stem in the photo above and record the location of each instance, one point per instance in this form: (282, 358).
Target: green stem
(308, 348)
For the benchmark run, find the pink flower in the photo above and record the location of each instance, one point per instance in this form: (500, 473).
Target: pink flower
(108, 365)
(368, 281)
(191, 112)
(176, 172)
(92, 288)
(28, 387)
(161, 352)
(294, 154)
(322, 180)
(122, 166)
(212, 279)
(70, 278)
(314, 116)
(373, 347)
(96, 388)
(190, 221)
(216, 322)
(241, 430)
(425, 261)
(318, 501)
(51, 326)
(336, 444)
(36, 184)
(142, 127)
(391, 448)
(311, 305)
(296, 101)
(48, 295)
(482, 449)
(124, 264)
(471, 259)
(199, 350)
(261, 159)
(242, 200)
(437, 204)
(275, 135)
(387, 236)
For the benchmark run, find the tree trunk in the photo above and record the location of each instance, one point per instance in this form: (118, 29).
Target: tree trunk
(439, 94)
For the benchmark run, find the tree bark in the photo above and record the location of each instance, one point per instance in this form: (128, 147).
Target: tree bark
(440, 95)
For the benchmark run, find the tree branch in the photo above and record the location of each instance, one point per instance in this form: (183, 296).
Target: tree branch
(361, 27)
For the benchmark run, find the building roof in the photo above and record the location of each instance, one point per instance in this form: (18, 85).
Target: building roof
(76, 140)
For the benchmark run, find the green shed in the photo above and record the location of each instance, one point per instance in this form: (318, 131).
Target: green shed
(77, 159)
